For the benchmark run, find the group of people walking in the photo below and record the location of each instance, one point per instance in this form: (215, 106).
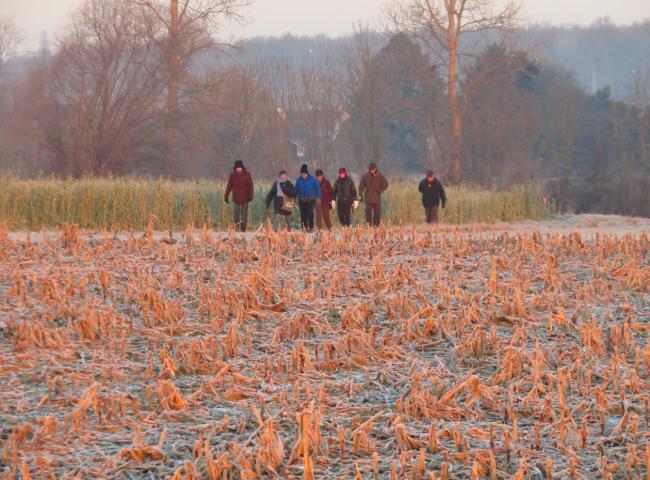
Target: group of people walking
(314, 197)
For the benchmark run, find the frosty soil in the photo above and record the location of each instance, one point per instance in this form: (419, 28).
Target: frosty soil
(389, 353)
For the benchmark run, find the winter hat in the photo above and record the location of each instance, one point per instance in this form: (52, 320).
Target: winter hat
(239, 164)
(319, 173)
(430, 173)
(343, 170)
(372, 166)
(304, 169)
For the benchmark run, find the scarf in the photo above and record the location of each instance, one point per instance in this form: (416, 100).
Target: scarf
(278, 188)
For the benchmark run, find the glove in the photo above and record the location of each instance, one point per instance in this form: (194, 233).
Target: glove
(333, 204)
(225, 199)
(444, 205)
(355, 204)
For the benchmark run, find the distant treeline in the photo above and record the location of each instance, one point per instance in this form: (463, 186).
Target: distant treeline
(119, 96)
(597, 56)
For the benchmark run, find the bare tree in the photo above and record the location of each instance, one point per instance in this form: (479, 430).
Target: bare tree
(364, 94)
(188, 24)
(101, 89)
(441, 25)
(9, 37)
(320, 110)
(501, 117)
(641, 100)
(282, 81)
(233, 117)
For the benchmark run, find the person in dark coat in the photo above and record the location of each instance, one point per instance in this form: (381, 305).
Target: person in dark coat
(308, 195)
(433, 196)
(344, 197)
(371, 187)
(240, 183)
(323, 210)
(281, 191)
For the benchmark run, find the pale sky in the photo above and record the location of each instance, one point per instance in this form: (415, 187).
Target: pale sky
(331, 17)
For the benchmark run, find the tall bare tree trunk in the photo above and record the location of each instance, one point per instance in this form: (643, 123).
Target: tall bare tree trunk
(172, 90)
(642, 133)
(452, 82)
(441, 24)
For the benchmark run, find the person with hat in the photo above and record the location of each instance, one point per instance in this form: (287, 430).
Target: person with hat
(372, 185)
(344, 197)
(323, 210)
(308, 194)
(433, 196)
(240, 183)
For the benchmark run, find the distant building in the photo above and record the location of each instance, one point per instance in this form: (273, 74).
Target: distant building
(297, 150)
(312, 133)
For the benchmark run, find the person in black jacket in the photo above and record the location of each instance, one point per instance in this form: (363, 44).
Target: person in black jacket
(281, 191)
(344, 197)
(433, 196)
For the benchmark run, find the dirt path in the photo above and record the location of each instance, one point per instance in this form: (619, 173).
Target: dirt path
(587, 225)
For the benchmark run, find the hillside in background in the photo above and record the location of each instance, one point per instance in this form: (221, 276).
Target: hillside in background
(600, 55)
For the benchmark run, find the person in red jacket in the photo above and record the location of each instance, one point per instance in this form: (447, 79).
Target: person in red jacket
(240, 183)
(323, 209)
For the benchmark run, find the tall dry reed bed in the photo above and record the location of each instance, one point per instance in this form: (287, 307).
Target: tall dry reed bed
(128, 203)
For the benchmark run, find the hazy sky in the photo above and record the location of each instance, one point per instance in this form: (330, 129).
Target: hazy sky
(332, 17)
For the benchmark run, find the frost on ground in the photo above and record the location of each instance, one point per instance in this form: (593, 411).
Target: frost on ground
(474, 352)
(586, 224)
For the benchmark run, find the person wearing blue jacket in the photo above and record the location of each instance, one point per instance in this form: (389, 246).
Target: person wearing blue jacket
(308, 194)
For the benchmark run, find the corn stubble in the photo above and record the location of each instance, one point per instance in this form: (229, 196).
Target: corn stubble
(391, 353)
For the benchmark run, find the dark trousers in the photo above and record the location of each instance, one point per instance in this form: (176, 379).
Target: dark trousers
(344, 211)
(323, 216)
(241, 216)
(373, 214)
(307, 215)
(432, 214)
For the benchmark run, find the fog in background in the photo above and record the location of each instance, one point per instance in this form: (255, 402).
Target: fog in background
(331, 17)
